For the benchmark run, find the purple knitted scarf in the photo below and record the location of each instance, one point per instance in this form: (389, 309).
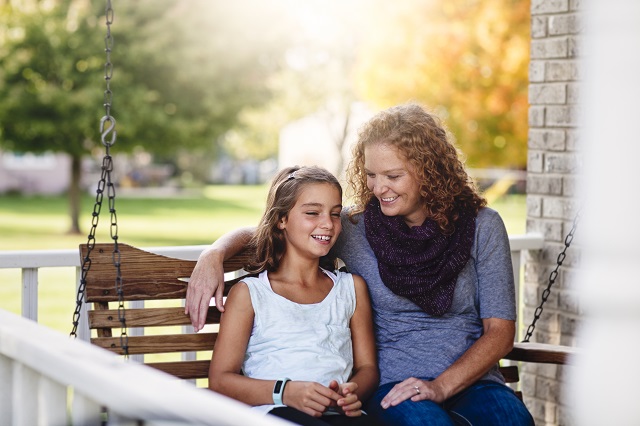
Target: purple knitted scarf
(419, 263)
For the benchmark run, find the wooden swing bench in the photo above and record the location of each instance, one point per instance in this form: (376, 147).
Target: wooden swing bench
(157, 279)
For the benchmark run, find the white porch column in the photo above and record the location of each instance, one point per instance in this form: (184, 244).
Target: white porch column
(604, 385)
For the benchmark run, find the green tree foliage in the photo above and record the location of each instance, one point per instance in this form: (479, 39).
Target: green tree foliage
(48, 87)
(466, 59)
(182, 72)
(48, 62)
(198, 63)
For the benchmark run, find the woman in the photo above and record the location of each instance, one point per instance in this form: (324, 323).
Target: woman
(438, 267)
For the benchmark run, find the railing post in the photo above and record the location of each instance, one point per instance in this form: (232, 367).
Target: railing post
(6, 390)
(187, 329)
(25, 388)
(85, 411)
(52, 403)
(30, 293)
(516, 261)
(83, 326)
(136, 331)
(520, 243)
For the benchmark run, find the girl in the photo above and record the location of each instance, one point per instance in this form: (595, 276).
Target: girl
(296, 340)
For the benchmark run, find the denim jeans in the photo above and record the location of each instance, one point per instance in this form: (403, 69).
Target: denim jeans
(483, 403)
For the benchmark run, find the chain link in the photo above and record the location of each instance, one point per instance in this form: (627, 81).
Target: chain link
(552, 277)
(108, 74)
(105, 183)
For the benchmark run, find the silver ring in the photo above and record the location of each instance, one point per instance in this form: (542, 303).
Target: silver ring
(417, 390)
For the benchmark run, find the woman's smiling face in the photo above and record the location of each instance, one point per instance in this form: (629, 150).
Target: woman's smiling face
(392, 181)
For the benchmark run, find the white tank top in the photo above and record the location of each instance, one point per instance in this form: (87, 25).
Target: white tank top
(310, 342)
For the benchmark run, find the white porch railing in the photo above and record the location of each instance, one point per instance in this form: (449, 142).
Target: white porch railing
(48, 379)
(30, 261)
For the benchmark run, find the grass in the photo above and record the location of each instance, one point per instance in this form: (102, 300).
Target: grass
(29, 223)
(39, 223)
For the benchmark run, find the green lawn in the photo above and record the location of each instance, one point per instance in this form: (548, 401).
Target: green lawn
(28, 223)
(36, 223)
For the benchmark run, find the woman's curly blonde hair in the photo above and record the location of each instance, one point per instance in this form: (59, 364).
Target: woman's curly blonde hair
(434, 161)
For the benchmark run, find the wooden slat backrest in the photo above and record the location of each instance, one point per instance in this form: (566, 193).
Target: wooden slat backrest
(149, 277)
(146, 276)
(146, 317)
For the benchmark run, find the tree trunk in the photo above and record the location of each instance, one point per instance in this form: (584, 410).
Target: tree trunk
(74, 193)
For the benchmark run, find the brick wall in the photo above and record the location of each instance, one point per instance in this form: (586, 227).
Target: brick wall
(553, 162)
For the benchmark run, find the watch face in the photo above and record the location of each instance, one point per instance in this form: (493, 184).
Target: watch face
(278, 386)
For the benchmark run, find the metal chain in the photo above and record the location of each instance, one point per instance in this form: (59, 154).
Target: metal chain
(552, 277)
(105, 181)
(86, 261)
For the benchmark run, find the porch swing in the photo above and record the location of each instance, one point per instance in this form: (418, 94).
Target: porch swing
(115, 273)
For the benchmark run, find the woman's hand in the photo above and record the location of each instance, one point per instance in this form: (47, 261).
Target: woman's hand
(207, 277)
(349, 403)
(309, 397)
(415, 390)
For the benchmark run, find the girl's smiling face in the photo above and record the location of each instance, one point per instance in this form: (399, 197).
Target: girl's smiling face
(391, 180)
(313, 224)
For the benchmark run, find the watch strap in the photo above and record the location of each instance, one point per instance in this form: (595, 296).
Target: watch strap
(278, 390)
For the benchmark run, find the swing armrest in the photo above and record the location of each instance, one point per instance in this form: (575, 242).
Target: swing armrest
(543, 353)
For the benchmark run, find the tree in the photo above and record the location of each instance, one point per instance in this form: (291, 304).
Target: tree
(467, 59)
(48, 64)
(174, 88)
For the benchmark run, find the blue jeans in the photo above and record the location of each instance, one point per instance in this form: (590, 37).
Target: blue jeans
(483, 403)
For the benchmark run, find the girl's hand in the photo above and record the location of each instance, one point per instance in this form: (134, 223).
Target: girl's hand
(349, 402)
(309, 397)
(415, 390)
